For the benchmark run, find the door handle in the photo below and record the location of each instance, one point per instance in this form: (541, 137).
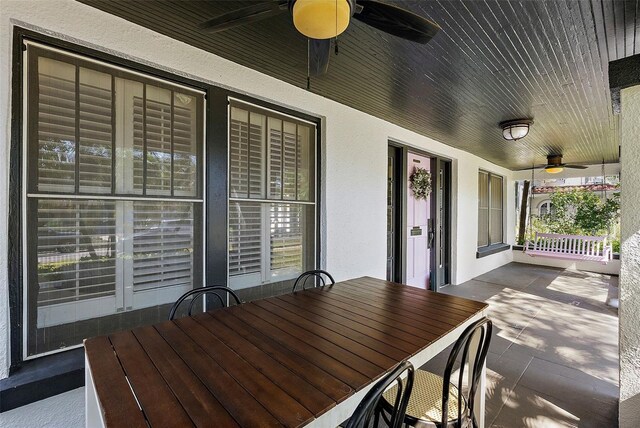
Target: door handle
(430, 234)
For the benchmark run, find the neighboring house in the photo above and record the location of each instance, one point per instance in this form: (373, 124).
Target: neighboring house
(543, 189)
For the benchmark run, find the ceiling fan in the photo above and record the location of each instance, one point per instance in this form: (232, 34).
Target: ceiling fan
(554, 165)
(322, 20)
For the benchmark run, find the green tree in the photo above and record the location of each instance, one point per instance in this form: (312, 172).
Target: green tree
(581, 212)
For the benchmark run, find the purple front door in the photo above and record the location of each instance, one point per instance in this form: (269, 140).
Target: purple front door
(418, 213)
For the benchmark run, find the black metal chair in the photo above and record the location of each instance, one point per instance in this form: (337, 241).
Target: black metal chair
(368, 407)
(437, 402)
(317, 276)
(197, 292)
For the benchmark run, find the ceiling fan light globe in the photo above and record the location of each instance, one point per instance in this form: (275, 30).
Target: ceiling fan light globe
(321, 19)
(554, 169)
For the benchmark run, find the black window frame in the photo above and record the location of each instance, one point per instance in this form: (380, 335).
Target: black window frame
(41, 377)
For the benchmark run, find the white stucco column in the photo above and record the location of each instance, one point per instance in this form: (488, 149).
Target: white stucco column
(629, 313)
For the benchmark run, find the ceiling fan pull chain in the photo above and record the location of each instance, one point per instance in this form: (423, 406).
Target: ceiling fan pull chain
(336, 45)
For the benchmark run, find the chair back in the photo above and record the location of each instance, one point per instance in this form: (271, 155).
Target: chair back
(317, 276)
(368, 407)
(481, 330)
(197, 292)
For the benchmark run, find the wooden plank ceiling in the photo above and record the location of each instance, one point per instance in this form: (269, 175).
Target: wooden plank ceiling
(492, 61)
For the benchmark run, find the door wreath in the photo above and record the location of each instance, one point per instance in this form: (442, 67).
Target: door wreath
(420, 183)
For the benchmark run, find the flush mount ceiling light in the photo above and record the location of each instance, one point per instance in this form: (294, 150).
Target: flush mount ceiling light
(514, 130)
(321, 19)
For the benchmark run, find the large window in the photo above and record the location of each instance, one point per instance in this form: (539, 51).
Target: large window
(271, 197)
(113, 198)
(490, 216)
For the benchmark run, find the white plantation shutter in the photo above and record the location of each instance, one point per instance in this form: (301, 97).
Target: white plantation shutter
(245, 238)
(96, 139)
(275, 158)
(76, 250)
(56, 124)
(185, 145)
(289, 151)
(256, 155)
(287, 237)
(269, 240)
(239, 153)
(162, 244)
(158, 137)
(305, 162)
(138, 144)
(246, 154)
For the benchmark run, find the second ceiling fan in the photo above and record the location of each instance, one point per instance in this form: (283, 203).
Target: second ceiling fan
(323, 20)
(554, 165)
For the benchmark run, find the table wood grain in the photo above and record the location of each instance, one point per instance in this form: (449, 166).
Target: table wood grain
(281, 361)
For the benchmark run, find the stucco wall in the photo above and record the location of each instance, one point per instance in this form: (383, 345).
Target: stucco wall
(355, 144)
(62, 411)
(629, 311)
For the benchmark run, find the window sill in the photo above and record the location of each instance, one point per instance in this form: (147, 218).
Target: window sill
(42, 378)
(491, 249)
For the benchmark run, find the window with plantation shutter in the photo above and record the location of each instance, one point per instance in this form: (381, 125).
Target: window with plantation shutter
(490, 209)
(113, 194)
(272, 199)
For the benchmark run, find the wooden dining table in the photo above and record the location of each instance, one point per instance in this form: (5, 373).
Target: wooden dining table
(300, 359)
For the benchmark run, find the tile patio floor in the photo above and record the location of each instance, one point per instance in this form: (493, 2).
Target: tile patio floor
(553, 359)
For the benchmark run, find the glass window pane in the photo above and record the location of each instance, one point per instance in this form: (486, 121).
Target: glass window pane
(291, 240)
(163, 244)
(483, 209)
(56, 126)
(158, 139)
(287, 225)
(100, 272)
(245, 238)
(76, 269)
(76, 250)
(483, 232)
(129, 136)
(257, 160)
(306, 163)
(96, 138)
(496, 209)
(186, 154)
(239, 153)
(289, 160)
(275, 158)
